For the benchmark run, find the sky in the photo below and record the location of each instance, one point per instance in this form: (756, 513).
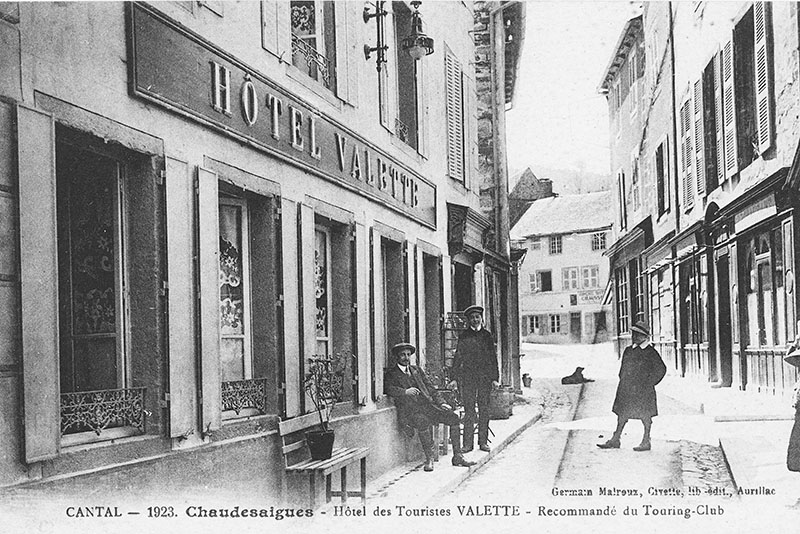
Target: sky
(558, 119)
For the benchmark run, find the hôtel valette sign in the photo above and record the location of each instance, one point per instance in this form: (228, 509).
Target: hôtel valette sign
(173, 67)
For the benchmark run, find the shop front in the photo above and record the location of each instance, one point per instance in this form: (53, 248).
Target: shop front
(754, 258)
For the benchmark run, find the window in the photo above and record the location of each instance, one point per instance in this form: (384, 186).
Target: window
(599, 241)
(407, 120)
(454, 88)
(635, 179)
(533, 280)
(314, 40)
(632, 77)
(591, 276)
(91, 274)
(536, 243)
(662, 178)
(621, 286)
(638, 287)
(555, 323)
(555, 244)
(764, 284)
(234, 291)
(322, 282)
(533, 324)
(623, 207)
(569, 278)
(744, 91)
(544, 281)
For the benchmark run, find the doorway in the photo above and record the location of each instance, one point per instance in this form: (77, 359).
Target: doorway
(725, 337)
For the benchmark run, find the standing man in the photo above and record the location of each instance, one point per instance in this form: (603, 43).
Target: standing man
(419, 405)
(475, 369)
(640, 371)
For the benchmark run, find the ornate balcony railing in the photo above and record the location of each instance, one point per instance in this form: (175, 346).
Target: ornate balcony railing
(316, 62)
(98, 410)
(238, 395)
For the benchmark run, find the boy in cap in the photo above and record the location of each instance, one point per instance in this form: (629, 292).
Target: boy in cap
(419, 405)
(641, 369)
(475, 368)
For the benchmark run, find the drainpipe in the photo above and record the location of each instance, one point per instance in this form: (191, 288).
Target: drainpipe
(674, 121)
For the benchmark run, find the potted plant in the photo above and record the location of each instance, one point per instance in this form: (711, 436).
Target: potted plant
(324, 382)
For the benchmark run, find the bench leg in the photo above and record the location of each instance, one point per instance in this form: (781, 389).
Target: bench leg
(363, 480)
(312, 490)
(327, 488)
(344, 484)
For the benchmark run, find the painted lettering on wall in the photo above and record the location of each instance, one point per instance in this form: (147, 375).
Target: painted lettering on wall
(241, 102)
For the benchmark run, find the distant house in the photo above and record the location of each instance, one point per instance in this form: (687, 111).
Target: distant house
(528, 187)
(564, 275)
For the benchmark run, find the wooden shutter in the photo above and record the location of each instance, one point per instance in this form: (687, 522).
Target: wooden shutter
(289, 243)
(377, 310)
(362, 302)
(307, 296)
(699, 137)
(763, 82)
(688, 155)
(729, 111)
(348, 55)
(623, 216)
(39, 283)
(269, 26)
(283, 31)
(179, 185)
(208, 224)
(455, 117)
(719, 117)
(788, 266)
(525, 321)
(735, 283)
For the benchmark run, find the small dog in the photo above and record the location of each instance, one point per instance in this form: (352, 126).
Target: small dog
(576, 377)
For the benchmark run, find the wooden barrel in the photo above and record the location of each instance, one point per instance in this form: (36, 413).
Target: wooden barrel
(501, 400)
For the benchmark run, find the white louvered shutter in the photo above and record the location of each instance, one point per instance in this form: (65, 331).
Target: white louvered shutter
(729, 111)
(699, 133)
(455, 118)
(718, 118)
(763, 83)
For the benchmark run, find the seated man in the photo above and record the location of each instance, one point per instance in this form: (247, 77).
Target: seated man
(419, 405)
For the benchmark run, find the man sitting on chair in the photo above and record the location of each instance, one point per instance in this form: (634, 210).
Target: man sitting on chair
(419, 405)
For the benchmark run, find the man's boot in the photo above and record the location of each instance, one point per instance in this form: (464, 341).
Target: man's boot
(458, 458)
(426, 438)
(612, 443)
(469, 436)
(483, 435)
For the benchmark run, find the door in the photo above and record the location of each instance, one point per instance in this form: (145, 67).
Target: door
(725, 336)
(575, 326)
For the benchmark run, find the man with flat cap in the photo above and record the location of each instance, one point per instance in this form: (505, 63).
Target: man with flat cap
(419, 405)
(475, 369)
(641, 369)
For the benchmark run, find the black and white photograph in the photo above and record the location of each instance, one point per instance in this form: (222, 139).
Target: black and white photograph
(345, 266)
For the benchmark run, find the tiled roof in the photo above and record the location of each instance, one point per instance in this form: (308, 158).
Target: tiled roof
(566, 214)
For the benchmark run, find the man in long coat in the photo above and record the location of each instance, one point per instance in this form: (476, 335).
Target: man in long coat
(641, 369)
(475, 369)
(419, 405)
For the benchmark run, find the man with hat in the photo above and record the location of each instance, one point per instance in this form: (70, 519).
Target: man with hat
(475, 369)
(641, 369)
(419, 405)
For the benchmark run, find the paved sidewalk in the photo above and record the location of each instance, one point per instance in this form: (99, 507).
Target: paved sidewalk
(408, 485)
(753, 432)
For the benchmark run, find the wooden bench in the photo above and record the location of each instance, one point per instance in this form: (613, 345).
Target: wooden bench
(341, 458)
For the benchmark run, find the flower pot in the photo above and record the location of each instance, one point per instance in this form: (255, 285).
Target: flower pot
(320, 444)
(526, 380)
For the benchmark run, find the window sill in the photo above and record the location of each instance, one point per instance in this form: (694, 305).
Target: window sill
(106, 437)
(405, 147)
(313, 85)
(244, 415)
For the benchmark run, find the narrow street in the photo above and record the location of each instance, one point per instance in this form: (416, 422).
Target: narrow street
(554, 470)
